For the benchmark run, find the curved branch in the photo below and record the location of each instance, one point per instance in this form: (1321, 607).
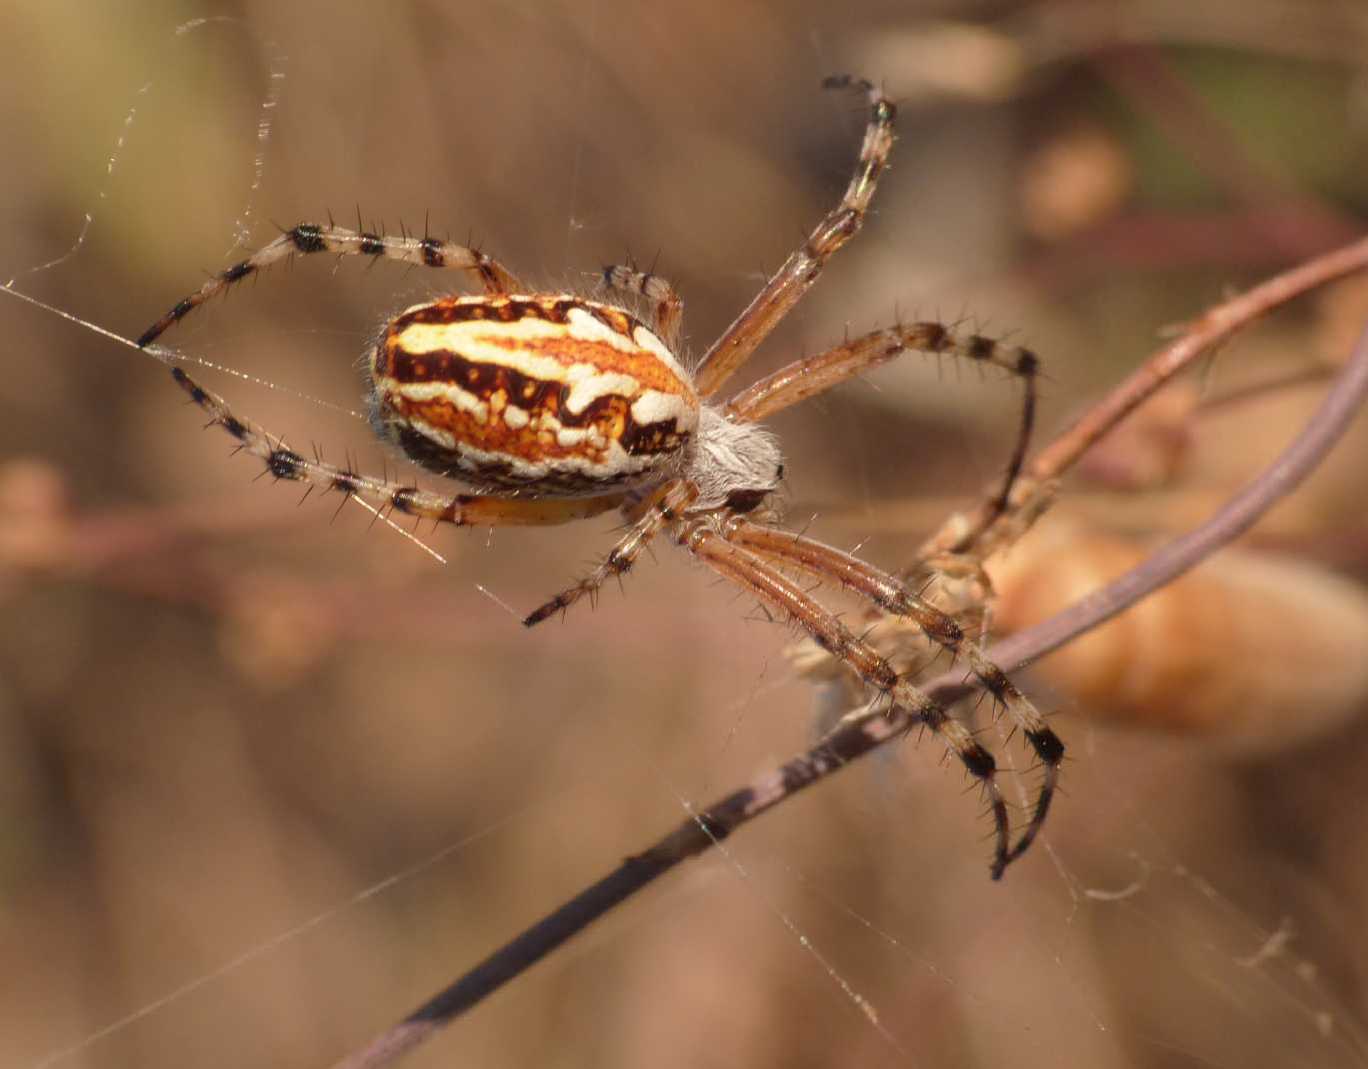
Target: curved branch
(1216, 325)
(1325, 427)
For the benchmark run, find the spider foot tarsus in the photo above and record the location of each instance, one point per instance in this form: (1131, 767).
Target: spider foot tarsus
(1050, 750)
(650, 515)
(890, 595)
(980, 764)
(617, 564)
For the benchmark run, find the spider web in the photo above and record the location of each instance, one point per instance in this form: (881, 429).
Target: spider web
(272, 781)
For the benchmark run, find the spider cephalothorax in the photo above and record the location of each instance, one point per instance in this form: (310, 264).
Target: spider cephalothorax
(553, 407)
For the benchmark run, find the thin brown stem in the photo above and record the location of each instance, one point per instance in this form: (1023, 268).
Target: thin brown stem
(1325, 427)
(1216, 325)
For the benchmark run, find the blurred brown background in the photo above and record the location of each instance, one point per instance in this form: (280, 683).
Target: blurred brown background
(222, 715)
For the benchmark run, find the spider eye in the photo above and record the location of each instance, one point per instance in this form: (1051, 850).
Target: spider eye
(743, 501)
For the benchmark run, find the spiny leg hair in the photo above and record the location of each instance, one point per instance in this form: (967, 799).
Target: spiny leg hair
(788, 285)
(284, 463)
(662, 508)
(458, 509)
(806, 378)
(890, 595)
(750, 572)
(329, 237)
(667, 307)
(798, 382)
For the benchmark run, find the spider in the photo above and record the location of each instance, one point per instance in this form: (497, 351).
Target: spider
(555, 408)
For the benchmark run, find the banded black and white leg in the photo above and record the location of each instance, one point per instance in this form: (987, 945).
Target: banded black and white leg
(804, 379)
(662, 508)
(385, 495)
(889, 594)
(753, 573)
(307, 238)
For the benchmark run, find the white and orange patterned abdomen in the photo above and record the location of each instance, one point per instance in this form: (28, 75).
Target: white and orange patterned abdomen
(548, 393)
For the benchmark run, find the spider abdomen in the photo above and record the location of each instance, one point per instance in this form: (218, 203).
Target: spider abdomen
(544, 393)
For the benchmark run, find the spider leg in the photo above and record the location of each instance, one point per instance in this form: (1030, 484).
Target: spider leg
(660, 509)
(814, 375)
(667, 306)
(752, 573)
(320, 237)
(788, 285)
(961, 544)
(387, 496)
(892, 596)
